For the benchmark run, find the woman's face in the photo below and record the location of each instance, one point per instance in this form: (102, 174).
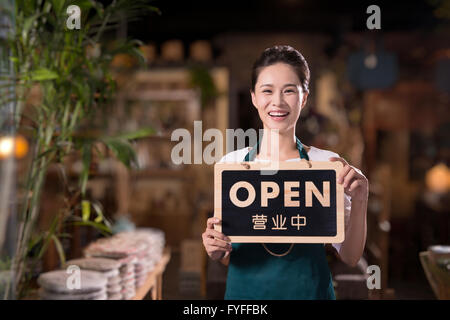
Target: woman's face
(279, 97)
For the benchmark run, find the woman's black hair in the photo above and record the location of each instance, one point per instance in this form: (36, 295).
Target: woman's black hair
(284, 54)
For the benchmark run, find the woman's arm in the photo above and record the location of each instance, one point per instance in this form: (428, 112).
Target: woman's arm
(355, 234)
(355, 185)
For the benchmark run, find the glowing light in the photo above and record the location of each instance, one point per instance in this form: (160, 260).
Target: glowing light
(371, 61)
(6, 146)
(438, 178)
(17, 146)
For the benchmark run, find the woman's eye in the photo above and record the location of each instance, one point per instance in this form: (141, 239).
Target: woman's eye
(289, 91)
(267, 91)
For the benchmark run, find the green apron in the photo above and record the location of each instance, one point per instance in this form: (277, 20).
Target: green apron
(255, 274)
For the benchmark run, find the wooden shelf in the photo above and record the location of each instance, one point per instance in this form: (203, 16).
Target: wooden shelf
(160, 173)
(163, 95)
(154, 279)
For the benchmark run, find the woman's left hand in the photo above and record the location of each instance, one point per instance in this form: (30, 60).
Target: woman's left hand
(355, 183)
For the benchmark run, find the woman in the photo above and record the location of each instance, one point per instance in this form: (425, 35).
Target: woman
(279, 91)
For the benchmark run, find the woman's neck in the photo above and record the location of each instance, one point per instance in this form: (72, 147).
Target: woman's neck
(276, 145)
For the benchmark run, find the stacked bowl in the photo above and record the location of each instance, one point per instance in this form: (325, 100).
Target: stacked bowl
(109, 268)
(72, 285)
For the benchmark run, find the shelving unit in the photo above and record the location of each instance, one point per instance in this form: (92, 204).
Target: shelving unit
(157, 174)
(161, 194)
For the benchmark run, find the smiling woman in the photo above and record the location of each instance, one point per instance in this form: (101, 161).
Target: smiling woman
(280, 80)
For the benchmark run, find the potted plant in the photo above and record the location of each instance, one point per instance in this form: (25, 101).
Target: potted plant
(71, 70)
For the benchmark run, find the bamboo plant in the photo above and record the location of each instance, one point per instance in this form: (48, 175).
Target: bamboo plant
(72, 70)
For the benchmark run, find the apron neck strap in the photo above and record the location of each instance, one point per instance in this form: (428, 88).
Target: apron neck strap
(250, 156)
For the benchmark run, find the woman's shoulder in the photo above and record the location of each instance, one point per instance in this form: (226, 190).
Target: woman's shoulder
(317, 154)
(324, 155)
(235, 156)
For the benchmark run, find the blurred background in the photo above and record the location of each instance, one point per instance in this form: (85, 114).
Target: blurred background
(379, 98)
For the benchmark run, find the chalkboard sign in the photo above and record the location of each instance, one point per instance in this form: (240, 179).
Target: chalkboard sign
(299, 202)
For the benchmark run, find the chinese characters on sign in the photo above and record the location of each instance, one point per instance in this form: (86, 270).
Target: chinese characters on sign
(259, 222)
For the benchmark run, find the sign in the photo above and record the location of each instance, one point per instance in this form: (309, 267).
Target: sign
(300, 202)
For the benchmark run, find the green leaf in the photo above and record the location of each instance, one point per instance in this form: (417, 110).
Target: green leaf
(201, 78)
(58, 5)
(85, 5)
(139, 55)
(28, 24)
(44, 246)
(53, 148)
(43, 74)
(99, 212)
(59, 249)
(154, 9)
(100, 227)
(141, 133)
(86, 160)
(85, 210)
(122, 150)
(34, 241)
(48, 236)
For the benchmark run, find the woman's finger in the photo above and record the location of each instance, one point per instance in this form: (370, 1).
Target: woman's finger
(211, 222)
(349, 177)
(355, 184)
(343, 174)
(218, 243)
(346, 168)
(210, 233)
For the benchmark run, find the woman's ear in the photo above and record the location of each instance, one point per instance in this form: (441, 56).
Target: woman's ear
(254, 99)
(305, 98)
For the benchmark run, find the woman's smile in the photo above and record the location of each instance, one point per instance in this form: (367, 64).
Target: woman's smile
(278, 115)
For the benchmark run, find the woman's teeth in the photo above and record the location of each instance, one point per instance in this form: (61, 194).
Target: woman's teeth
(278, 114)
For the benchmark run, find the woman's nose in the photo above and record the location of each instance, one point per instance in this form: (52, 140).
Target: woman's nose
(277, 99)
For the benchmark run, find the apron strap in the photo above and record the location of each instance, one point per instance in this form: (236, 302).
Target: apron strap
(250, 156)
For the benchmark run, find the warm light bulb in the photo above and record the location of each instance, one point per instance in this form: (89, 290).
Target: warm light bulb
(6, 147)
(21, 147)
(437, 178)
(13, 145)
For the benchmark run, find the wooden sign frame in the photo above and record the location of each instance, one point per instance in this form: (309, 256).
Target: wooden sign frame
(337, 166)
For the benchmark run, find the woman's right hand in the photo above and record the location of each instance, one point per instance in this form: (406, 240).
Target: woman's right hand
(217, 244)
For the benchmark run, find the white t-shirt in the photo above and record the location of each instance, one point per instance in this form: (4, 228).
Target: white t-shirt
(314, 154)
